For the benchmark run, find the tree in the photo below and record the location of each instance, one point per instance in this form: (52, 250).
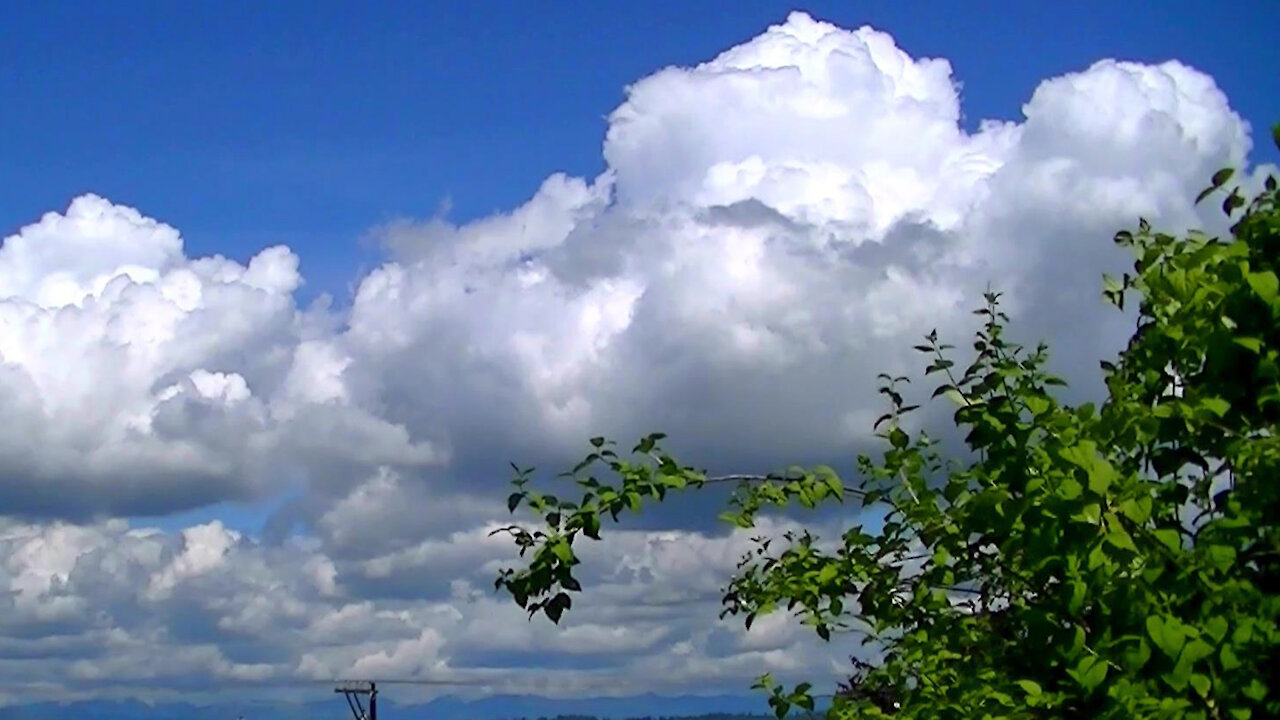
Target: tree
(1112, 562)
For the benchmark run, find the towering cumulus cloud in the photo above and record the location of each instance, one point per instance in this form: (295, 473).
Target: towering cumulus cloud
(774, 227)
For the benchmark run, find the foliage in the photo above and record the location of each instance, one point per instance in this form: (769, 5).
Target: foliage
(1111, 562)
(706, 716)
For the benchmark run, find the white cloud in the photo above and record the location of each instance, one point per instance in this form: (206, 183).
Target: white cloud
(775, 226)
(152, 610)
(136, 380)
(204, 548)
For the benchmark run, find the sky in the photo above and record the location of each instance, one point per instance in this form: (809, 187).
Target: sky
(283, 289)
(247, 126)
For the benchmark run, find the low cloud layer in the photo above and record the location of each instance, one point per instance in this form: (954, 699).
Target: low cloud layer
(775, 227)
(104, 607)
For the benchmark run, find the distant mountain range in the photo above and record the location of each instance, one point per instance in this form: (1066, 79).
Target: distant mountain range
(496, 707)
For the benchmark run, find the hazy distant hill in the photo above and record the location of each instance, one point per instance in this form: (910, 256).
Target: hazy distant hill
(497, 707)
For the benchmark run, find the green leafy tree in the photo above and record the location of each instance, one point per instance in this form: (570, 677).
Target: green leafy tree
(1116, 561)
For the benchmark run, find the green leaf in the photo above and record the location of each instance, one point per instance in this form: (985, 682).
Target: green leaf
(938, 365)
(1228, 657)
(941, 557)
(1069, 489)
(1222, 176)
(1030, 687)
(1169, 538)
(591, 525)
(1137, 510)
(563, 551)
(1090, 672)
(1232, 202)
(1167, 634)
(1037, 404)
(1179, 676)
(1079, 590)
(1216, 627)
(1216, 405)
(1195, 651)
(514, 501)
(1097, 558)
(1249, 343)
(1201, 684)
(1221, 557)
(1264, 285)
(898, 438)
(1121, 539)
(1085, 455)
(556, 606)
(828, 573)
(1111, 284)
(1138, 654)
(831, 479)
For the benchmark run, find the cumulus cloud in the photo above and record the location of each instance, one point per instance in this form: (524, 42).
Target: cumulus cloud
(135, 380)
(774, 227)
(107, 604)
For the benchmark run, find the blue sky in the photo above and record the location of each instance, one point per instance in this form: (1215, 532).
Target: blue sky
(246, 124)
(767, 240)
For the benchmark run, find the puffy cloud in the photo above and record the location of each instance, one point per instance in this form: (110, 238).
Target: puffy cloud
(775, 226)
(135, 380)
(205, 608)
(868, 130)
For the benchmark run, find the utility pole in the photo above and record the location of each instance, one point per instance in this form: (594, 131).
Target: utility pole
(353, 691)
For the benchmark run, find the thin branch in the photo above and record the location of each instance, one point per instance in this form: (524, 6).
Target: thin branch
(743, 477)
